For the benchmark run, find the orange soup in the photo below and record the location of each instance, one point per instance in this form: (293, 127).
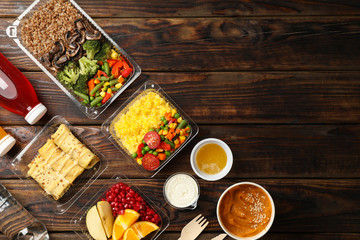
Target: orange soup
(245, 210)
(211, 158)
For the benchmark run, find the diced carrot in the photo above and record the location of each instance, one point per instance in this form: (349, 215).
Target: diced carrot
(168, 116)
(112, 62)
(162, 156)
(177, 146)
(91, 84)
(177, 130)
(121, 79)
(100, 63)
(171, 134)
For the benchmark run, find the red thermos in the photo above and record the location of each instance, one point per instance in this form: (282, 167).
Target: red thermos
(17, 94)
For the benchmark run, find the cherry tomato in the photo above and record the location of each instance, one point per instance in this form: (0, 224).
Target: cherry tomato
(152, 139)
(141, 145)
(150, 162)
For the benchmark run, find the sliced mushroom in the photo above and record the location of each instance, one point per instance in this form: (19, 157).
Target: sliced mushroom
(59, 61)
(93, 36)
(45, 59)
(70, 39)
(72, 52)
(79, 24)
(78, 55)
(58, 48)
(82, 38)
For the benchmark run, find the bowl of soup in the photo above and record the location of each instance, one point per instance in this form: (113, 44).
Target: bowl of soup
(211, 159)
(245, 211)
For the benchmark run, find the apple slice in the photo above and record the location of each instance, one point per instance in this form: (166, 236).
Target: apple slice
(106, 216)
(94, 225)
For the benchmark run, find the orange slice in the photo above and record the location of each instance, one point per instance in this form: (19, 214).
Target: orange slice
(122, 222)
(130, 235)
(143, 228)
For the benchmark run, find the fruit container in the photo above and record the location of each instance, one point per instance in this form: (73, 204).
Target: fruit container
(14, 32)
(109, 130)
(98, 193)
(19, 166)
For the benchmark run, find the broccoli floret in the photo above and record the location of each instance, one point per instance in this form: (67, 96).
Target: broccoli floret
(81, 84)
(91, 47)
(69, 74)
(104, 53)
(88, 67)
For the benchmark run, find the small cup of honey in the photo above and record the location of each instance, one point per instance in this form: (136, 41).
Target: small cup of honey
(211, 159)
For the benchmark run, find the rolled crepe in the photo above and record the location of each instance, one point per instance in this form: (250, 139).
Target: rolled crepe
(72, 146)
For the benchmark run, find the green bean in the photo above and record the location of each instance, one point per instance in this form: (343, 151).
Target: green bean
(96, 101)
(162, 137)
(99, 104)
(107, 68)
(103, 67)
(85, 102)
(103, 78)
(172, 145)
(114, 89)
(111, 77)
(168, 153)
(182, 124)
(113, 82)
(83, 96)
(96, 88)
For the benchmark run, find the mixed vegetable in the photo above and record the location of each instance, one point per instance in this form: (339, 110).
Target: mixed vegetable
(158, 144)
(98, 75)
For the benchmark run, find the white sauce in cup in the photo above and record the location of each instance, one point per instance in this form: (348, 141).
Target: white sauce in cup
(181, 190)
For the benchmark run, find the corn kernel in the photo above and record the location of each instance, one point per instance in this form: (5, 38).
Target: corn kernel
(97, 81)
(118, 85)
(174, 125)
(106, 84)
(139, 161)
(109, 90)
(179, 119)
(173, 112)
(159, 150)
(176, 141)
(182, 132)
(160, 132)
(182, 138)
(165, 132)
(114, 54)
(102, 94)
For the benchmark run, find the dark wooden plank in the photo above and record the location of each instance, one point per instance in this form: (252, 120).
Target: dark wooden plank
(207, 236)
(217, 44)
(199, 8)
(259, 151)
(230, 97)
(305, 206)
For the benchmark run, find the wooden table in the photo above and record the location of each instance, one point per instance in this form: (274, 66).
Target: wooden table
(277, 80)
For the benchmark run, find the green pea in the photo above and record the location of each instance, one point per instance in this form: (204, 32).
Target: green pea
(167, 153)
(165, 121)
(143, 141)
(158, 130)
(85, 101)
(162, 137)
(147, 148)
(92, 98)
(176, 115)
(143, 152)
(151, 151)
(166, 128)
(162, 118)
(151, 130)
(155, 153)
(134, 155)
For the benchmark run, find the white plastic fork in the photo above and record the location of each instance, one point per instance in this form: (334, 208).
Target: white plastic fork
(194, 228)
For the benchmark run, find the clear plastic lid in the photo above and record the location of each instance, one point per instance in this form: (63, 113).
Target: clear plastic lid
(108, 127)
(98, 192)
(6, 144)
(20, 168)
(14, 32)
